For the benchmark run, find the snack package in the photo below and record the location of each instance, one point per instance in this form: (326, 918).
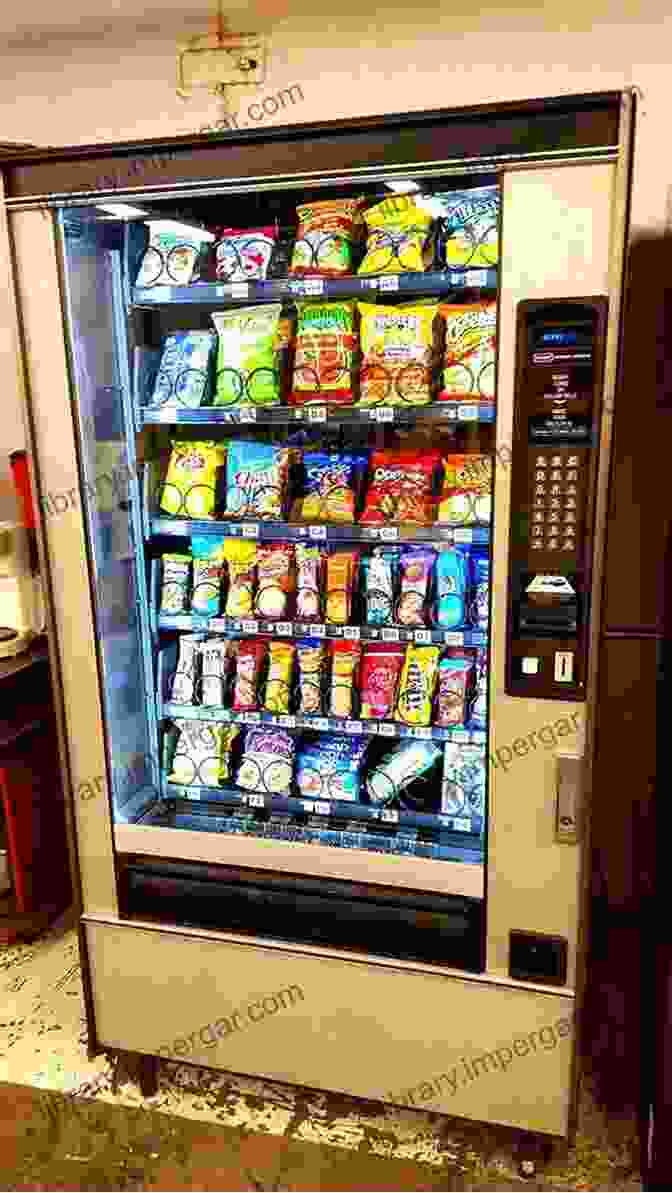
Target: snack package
(345, 657)
(329, 768)
(275, 580)
(479, 708)
(217, 661)
(396, 345)
(256, 479)
(185, 680)
(175, 575)
(279, 678)
(184, 372)
(280, 259)
(325, 343)
(329, 487)
(247, 365)
(381, 569)
(416, 688)
(380, 671)
(342, 572)
(250, 657)
(171, 255)
(463, 785)
(203, 754)
(268, 761)
(243, 254)
(480, 592)
(241, 557)
(469, 354)
(466, 497)
(416, 571)
(456, 678)
(400, 488)
(469, 226)
(323, 246)
(406, 762)
(311, 654)
(397, 234)
(309, 569)
(209, 561)
(191, 484)
(450, 610)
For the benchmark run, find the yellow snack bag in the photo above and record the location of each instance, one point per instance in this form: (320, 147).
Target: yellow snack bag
(190, 487)
(397, 231)
(396, 347)
(241, 558)
(469, 357)
(281, 665)
(416, 688)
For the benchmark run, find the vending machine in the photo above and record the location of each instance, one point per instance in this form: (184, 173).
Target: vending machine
(321, 431)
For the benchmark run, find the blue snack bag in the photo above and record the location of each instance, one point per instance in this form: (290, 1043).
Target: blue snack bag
(452, 580)
(329, 767)
(480, 587)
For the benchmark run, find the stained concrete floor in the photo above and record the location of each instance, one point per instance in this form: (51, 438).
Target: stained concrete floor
(67, 1122)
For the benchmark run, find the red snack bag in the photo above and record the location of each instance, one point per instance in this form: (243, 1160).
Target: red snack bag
(345, 658)
(401, 488)
(251, 654)
(380, 671)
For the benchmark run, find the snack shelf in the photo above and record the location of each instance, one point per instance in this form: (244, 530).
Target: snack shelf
(196, 623)
(299, 533)
(342, 809)
(391, 729)
(209, 293)
(469, 410)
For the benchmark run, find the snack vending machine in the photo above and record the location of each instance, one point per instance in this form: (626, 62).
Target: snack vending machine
(321, 434)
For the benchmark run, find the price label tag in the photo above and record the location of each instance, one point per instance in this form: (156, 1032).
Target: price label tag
(287, 722)
(387, 730)
(460, 736)
(462, 535)
(307, 805)
(250, 530)
(322, 808)
(390, 635)
(220, 291)
(284, 629)
(446, 821)
(200, 622)
(320, 723)
(383, 414)
(389, 534)
(316, 631)
(467, 414)
(369, 283)
(353, 726)
(313, 286)
(296, 287)
(462, 826)
(420, 732)
(371, 727)
(389, 283)
(210, 714)
(250, 627)
(317, 414)
(423, 636)
(247, 414)
(224, 714)
(476, 277)
(240, 290)
(390, 816)
(256, 801)
(251, 718)
(453, 638)
(352, 631)
(317, 532)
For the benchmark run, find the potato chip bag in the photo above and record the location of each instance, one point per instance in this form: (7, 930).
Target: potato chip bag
(176, 570)
(396, 345)
(325, 343)
(190, 487)
(323, 246)
(397, 234)
(400, 488)
(241, 558)
(278, 682)
(256, 479)
(311, 655)
(469, 355)
(247, 366)
(208, 555)
(171, 256)
(329, 487)
(342, 572)
(202, 754)
(416, 687)
(268, 761)
(466, 497)
(345, 658)
(184, 372)
(242, 254)
(250, 657)
(275, 579)
(469, 226)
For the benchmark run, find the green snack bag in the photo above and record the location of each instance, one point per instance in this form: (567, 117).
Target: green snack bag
(247, 371)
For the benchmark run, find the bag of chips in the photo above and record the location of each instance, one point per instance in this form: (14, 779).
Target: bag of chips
(401, 488)
(312, 657)
(469, 353)
(184, 372)
(451, 588)
(466, 497)
(203, 753)
(342, 572)
(329, 768)
(218, 657)
(416, 688)
(268, 761)
(279, 678)
(247, 364)
(209, 562)
(250, 657)
(416, 571)
(469, 226)
(275, 579)
(345, 657)
(397, 237)
(241, 558)
(256, 480)
(184, 685)
(456, 677)
(329, 487)
(323, 246)
(406, 762)
(176, 570)
(396, 345)
(380, 671)
(171, 255)
(190, 489)
(309, 569)
(325, 343)
(242, 254)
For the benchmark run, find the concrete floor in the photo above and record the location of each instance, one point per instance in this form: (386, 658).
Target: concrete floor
(70, 1123)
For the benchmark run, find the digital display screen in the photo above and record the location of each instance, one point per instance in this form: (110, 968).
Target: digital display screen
(561, 336)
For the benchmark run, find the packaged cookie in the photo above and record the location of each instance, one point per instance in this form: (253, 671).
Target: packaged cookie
(416, 571)
(191, 487)
(456, 678)
(416, 688)
(309, 569)
(279, 678)
(345, 657)
(401, 488)
(209, 565)
(241, 558)
(342, 571)
(380, 670)
(268, 761)
(275, 580)
(312, 656)
(218, 656)
(176, 571)
(251, 654)
(466, 497)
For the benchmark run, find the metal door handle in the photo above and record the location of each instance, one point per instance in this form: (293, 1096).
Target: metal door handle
(569, 798)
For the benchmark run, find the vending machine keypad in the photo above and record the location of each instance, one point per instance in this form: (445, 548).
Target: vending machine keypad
(557, 402)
